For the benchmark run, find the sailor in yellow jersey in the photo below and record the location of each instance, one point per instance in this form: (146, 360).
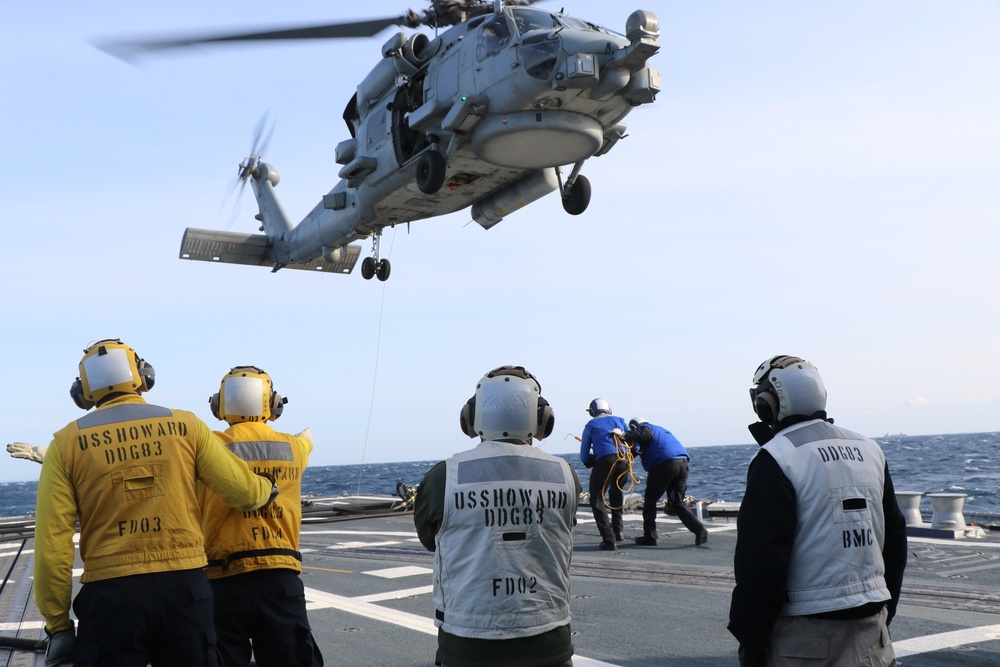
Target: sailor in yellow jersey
(127, 471)
(253, 558)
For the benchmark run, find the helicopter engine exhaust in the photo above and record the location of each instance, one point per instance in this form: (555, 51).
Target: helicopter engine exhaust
(514, 197)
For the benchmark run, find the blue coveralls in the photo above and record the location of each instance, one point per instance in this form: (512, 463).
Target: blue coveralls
(607, 473)
(666, 464)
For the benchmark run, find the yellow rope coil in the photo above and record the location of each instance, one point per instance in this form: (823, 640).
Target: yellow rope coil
(624, 453)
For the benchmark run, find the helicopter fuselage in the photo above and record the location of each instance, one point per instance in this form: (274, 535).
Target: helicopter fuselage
(482, 116)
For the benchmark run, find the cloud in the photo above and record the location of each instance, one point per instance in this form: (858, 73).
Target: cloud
(917, 400)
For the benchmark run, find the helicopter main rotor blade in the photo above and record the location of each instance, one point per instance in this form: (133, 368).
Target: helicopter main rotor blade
(127, 50)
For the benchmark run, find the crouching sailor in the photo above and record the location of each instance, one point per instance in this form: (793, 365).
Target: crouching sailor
(253, 558)
(821, 543)
(499, 519)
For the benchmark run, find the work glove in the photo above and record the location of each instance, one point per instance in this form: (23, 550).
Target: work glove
(59, 652)
(305, 434)
(22, 450)
(274, 487)
(589, 463)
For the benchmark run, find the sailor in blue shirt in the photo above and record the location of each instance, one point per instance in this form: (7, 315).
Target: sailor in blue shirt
(666, 464)
(602, 448)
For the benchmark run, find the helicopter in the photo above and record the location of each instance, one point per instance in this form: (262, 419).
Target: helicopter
(484, 115)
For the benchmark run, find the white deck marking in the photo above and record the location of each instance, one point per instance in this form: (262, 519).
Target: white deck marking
(13, 552)
(357, 545)
(397, 572)
(385, 533)
(26, 625)
(929, 643)
(396, 595)
(319, 600)
(971, 542)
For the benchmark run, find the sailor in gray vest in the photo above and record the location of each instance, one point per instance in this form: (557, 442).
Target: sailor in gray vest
(499, 519)
(821, 542)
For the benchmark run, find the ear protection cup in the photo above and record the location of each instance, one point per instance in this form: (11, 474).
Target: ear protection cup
(277, 405)
(76, 393)
(213, 403)
(467, 417)
(148, 375)
(546, 419)
(765, 404)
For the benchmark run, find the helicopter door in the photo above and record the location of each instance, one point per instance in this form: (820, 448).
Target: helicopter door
(408, 142)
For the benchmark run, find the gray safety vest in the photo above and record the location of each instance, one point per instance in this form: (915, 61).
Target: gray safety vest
(501, 564)
(839, 478)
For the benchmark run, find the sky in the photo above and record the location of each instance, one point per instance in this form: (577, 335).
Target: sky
(817, 179)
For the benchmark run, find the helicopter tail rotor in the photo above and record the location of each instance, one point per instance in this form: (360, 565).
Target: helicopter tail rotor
(248, 166)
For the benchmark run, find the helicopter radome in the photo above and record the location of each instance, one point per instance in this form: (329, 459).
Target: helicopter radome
(485, 115)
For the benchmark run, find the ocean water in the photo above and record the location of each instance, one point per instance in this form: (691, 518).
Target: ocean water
(962, 463)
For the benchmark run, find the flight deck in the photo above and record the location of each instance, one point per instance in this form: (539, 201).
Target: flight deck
(368, 588)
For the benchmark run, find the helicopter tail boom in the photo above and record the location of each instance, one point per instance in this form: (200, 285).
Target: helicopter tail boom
(209, 245)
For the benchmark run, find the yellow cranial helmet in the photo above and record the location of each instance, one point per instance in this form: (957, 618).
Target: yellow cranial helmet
(110, 367)
(247, 395)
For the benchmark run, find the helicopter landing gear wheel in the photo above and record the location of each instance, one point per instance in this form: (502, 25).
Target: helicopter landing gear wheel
(382, 269)
(368, 268)
(430, 172)
(576, 199)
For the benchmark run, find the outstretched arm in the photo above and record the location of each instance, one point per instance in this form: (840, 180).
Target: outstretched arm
(22, 450)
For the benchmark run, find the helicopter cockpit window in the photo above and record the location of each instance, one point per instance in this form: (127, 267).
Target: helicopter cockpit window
(576, 24)
(494, 36)
(528, 20)
(539, 54)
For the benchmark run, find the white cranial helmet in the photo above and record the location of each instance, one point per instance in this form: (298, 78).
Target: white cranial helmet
(786, 386)
(599, 406)
(508, 405)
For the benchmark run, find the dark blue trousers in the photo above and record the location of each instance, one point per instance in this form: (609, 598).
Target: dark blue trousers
(264, 611)
(162, 619)
(669, 477)
(607, 476)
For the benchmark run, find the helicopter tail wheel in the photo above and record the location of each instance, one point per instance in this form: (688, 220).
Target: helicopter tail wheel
(382, 269)
(368, 268)
(430, 172)
(576, 199)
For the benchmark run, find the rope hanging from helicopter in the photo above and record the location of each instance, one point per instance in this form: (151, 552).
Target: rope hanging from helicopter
(378, 347)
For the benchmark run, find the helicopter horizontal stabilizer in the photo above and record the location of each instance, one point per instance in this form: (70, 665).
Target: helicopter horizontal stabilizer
(207, 245)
